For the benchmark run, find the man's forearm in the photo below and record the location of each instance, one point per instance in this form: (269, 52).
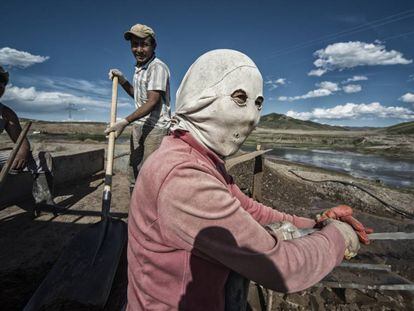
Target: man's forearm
(25, 147)
(154, 98)
(140, 112)
(129, 89)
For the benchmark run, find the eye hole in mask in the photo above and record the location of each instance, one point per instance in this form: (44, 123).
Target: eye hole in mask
(259, 102)
(239, 97)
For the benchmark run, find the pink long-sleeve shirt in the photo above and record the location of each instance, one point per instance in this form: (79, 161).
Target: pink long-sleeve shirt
(189, 225)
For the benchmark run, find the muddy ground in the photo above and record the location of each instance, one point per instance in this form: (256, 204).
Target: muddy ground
(30, 245)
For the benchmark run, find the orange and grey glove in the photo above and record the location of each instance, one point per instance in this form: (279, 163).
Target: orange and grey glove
(344, 214)
(287, 231)
(350, 236)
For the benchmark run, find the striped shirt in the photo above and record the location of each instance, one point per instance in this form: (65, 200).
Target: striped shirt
(153, 76)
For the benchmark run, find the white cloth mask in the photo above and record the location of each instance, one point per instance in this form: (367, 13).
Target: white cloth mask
(205, 106)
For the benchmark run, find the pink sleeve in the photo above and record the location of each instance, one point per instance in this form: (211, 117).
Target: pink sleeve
(198, 214)
(265, 215)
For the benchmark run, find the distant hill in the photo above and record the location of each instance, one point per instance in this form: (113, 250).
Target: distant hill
(280, 121)
(401, 128)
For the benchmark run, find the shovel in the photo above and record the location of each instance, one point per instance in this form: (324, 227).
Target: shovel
(6, 168)
(83, 274)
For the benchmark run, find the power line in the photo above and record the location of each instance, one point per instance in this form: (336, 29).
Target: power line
(376, 23)
(399, 35)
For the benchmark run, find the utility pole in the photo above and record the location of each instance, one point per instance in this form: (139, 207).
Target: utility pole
(70, 108)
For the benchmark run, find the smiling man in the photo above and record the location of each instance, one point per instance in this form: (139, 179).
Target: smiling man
(151, 91)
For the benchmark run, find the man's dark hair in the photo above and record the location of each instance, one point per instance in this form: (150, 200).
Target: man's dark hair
(153, 42)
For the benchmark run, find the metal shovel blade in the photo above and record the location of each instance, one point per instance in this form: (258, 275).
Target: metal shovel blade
(84, 272)
(372, 236)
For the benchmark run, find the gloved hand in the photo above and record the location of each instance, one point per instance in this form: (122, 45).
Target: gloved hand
(350, 236)
(287, 231)
(118, 128)
(20, 160)
(284, 230)
(119, 74)
(344, 214)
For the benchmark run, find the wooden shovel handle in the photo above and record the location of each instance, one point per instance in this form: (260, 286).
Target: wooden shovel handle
(111, 142)
(6, 168)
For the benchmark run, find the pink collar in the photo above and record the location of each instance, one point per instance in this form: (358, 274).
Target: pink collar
(207, 153)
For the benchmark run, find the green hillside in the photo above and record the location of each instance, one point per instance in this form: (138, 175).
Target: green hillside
(280, 121)
(401, 128)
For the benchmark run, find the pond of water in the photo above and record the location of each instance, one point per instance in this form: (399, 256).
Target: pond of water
(390, 171)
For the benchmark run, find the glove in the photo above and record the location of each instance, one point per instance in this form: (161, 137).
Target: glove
(118, 128)
(20, 161)
(284, 230)
(115, 72)
(344, 214)
(287, 231)
(350, 236)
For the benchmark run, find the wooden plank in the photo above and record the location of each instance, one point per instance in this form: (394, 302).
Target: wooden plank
(243, 158)
(405, 287)
(257, 177)
(70, 167)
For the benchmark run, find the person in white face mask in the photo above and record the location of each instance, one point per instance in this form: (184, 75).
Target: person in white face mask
(189, 225)
(219, 102)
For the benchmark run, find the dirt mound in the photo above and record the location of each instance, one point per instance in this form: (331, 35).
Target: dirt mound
(289, 193)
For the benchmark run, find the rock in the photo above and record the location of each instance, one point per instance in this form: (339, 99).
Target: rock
(330, 297)
(298, 299)
(316, 302)
(356, 296)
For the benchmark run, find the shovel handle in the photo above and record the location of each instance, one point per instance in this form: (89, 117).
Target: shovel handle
(6, 168)
(106, 197)
(111, 142)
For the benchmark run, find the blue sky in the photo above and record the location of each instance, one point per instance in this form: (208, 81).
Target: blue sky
(335, 62)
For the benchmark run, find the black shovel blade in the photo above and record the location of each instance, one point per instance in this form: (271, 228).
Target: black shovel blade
(84, 272)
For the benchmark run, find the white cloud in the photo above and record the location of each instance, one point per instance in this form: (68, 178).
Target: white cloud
(326, 88)
(352, 88)
(343, 55)
(317, 72)
(355, 79)
(407, 98)
(327, 85)
(354, 111)
(274, 84)
(65, 84)
(310, 94)
(14, 58)
(31, 100)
